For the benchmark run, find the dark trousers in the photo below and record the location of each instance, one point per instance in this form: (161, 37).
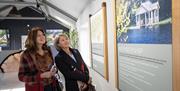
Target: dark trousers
(48, 88)
(51, 88)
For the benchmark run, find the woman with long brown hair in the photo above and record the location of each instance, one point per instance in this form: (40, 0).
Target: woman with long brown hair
(35, 64)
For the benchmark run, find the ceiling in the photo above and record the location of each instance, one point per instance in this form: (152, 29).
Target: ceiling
(65, 12)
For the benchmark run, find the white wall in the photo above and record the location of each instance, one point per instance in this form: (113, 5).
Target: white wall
(84, 43)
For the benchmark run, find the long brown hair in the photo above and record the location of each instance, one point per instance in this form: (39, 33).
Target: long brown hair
(30, 42)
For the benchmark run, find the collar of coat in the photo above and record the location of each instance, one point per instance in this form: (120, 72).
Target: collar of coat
(70, 61)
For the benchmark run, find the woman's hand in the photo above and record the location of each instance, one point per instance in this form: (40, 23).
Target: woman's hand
(47, 74)
(90, 80)
(53, 69)
(82, 85)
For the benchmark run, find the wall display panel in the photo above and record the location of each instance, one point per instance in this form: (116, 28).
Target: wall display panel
(97, 42)
(4, 37)
(51, 34)
(23, 40)
(144, 44)
(98, 25)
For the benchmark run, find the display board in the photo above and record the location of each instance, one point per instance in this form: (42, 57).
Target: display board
(97, 42)
(144, 44)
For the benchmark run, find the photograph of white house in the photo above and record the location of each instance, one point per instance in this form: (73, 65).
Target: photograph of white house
(144, 21)
(147, 14)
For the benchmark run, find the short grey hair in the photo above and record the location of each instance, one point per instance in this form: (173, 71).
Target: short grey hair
(56, 41)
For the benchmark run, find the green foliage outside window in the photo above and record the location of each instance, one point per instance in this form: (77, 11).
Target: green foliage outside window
(73, 35)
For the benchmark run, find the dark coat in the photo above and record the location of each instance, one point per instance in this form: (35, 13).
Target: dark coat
(72, 71)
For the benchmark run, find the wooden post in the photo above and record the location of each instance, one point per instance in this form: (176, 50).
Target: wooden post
(176, 44)
(115, 44)
(105, 41)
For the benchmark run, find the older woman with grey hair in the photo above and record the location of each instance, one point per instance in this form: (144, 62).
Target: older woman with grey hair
(71, 64)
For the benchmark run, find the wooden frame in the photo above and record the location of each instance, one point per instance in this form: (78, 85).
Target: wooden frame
(115, 45)
(176, 44)
(105, 40)
(105, 47)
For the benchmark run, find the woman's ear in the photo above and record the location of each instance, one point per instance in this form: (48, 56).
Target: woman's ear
(59, 45)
